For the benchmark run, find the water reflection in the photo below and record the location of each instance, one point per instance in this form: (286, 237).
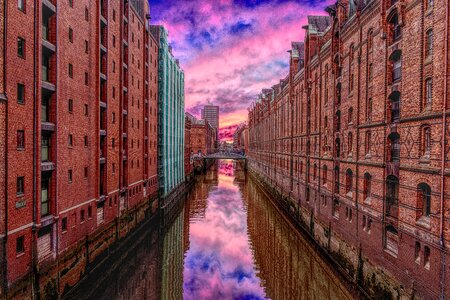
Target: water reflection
(219, 262)
(227, 242)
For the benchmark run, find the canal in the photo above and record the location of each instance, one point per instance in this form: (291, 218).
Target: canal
(227, 242)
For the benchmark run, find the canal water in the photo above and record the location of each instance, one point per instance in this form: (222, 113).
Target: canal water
(227, 242)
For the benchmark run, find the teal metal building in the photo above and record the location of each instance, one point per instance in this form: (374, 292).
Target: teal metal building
(170, 115)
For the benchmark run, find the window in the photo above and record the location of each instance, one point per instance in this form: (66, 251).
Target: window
(367, 142)
(424, 199)
(20, 245)
(338, 121)
(114, 92)
(394, 140)
(69, 173)
(114, 66)
(86, 14)
(348, 181)
(64, 224)
(82, 216)
(70, 35)
(114, 15)
(20, 93)
(71, 3)
(20, 47)
(70, 71)
(426, 257)
(70, 105)
(336, 180)
(396, 69)
(114, 41)
(324, 174)
(90, 212)
(335, 208)
(367, 186)
(20, 139)
(350, 115)
(20, 190)
(21, 5)
(86, 110)
(350, 143)
(370, 41)
(70, 140)
(113, 118)
(396, 30)
(429, 43)
(426, 142)
(86, 46)
(428, 92)
(417, 253)
(86, 78)
(86, 141)
(45, 199)
(369, 110)
(392, 187)
(113, 143)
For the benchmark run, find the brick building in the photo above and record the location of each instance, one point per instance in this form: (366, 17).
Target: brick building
(78, 119)
(357, 136)
(240, 138)
(203, 137)
(188, 162)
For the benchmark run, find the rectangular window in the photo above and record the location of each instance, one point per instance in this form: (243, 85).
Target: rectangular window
(90, 212)
(86, 110)
(397, 70)
(86, 143)
(82, 217)
(69, 173)
(20, 47)
(70, 140)
(70, 71)
(86, 46)
(70, 105)
(20, 139)
(45, 199)
(71, 3)
(64, 224)
(86, 78)
(20, 185)
(20, 245)
(86, 172)
(20, 93)
(86, 14)
(70, 35)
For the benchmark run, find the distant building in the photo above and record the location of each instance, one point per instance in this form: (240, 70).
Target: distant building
(210, 113)
(240, 138)
(170, 117)
(188, 163)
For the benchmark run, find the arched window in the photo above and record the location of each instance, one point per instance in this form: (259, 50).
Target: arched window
(428, 92)
(394, 139)
(338, 120)
(337, 147)
(348, 181)
(350, 143)
(429, 43)
(392, 188)
(367, 186)
(315, 172)
(336, 180)
(395, 29)
(324, 174)
(424, 199)
(325, 121)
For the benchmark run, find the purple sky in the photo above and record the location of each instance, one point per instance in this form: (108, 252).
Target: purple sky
(231, 49)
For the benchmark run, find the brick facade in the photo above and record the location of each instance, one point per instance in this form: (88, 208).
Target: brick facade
(354, 136)
(81, 118)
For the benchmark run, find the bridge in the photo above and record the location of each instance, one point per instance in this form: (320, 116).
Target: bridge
(225, 155)
(202, 163)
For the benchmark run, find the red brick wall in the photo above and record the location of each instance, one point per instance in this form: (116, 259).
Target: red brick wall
(314, 106)
(198, 138)
(153, 115)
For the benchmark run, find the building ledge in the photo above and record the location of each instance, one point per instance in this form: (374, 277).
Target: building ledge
(47, 166)
(48, 126)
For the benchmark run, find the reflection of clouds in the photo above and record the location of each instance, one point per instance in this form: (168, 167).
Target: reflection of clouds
(219, 262)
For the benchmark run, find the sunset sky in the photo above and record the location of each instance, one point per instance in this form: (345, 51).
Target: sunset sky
(231, 49)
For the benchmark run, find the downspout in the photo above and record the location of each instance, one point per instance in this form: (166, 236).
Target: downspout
(33, 234)
(5, 264)
(444, 131)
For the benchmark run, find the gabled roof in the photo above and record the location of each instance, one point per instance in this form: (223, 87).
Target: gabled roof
(318, 24)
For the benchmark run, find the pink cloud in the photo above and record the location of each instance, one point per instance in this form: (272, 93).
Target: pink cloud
(230, 51)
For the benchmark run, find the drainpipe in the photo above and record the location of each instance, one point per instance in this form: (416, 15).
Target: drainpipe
(5, 264)
(35, 127)
(444, 125)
